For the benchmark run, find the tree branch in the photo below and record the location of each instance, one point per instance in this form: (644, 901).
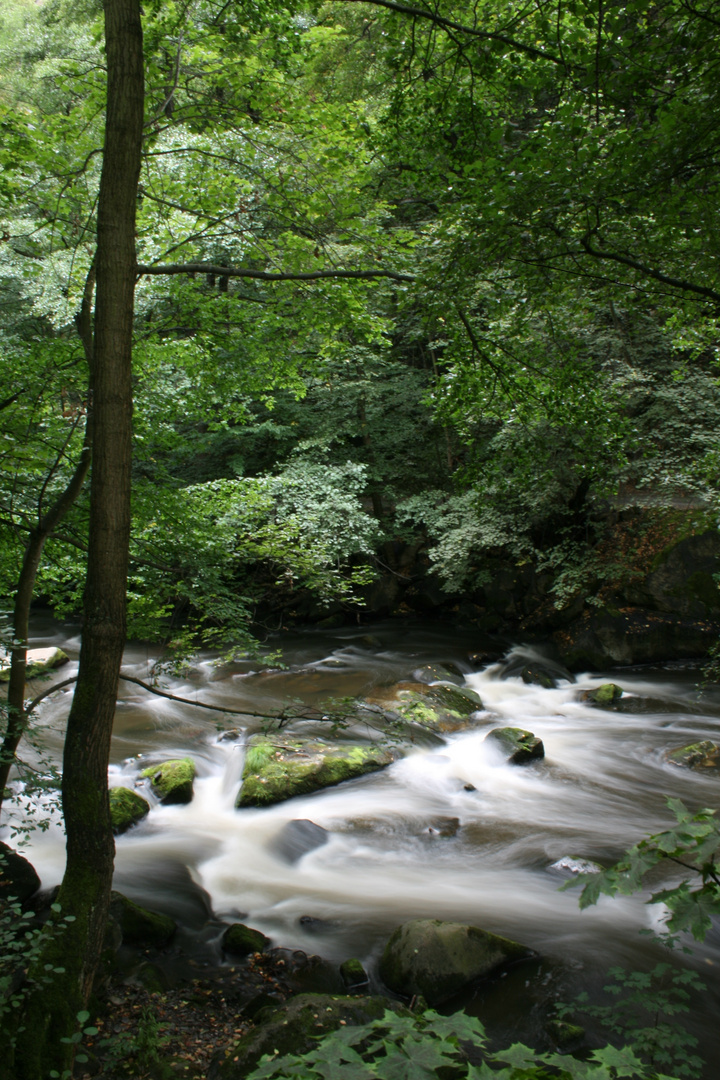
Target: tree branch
(266, 275)
(656, 275)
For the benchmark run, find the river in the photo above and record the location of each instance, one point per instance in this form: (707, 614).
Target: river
(602, 785)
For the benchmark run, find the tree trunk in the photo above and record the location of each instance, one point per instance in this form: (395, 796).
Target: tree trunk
(50, 1011)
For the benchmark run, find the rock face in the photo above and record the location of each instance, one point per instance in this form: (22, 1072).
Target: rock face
(294, 1027)
(241, 940)
(126, 808)
(282, 768)
(18, 877)
(38, 662)
(519, 746)
(172, 781)
(701, 755)
(607, 637)
(140, 926)
(438, 959)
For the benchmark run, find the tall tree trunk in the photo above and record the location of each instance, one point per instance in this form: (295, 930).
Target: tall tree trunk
(50, 1011)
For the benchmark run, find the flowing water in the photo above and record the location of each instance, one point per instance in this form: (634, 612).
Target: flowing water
(394, 851)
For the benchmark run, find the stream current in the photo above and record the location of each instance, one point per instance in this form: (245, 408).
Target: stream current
(395, 851)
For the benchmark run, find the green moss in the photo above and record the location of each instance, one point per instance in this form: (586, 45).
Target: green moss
(565, 1035)
(353, 973)
(126, 808)
(279, 770)
(701, 755)
(241, 940)
(172, 781)
(460, 701)
(607, 694)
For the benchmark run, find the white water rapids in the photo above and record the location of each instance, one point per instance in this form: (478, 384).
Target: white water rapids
(601, 787)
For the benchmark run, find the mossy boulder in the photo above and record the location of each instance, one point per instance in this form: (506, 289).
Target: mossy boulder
(294, 1028)
(281, 768)
(38, 662)
(519, 746)
(438, 959)
(172, 781)
(700, 755)
(18, 877)
(439, 707)
(241, 940)
(126, 808)
(605, 696)
(139, 925)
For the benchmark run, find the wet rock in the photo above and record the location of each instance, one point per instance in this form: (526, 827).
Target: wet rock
(282, 768)
(455, 699)
(139, 925)
(38, 662)
(172, 781)
(519, 746)
(353, 973)
(18, 877)
(437, 708)
(535, 672)
(606, 695)
(444, 826)
(297, 838)
(438, 959)
(700, 755)
(241, 940)
(432, 673)
(261, 1001)
(294, 1027)
(565, 1036)
(570, 865)
(308, 973)
(126, 808)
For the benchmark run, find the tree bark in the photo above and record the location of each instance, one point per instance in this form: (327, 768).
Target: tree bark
(50, 1011)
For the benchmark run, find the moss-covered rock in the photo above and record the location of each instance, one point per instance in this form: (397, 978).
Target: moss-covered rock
(700, 755)
(294, 1028)
(18, 877)
(437, 708)
(519, 746)
(438, 959)
(241, 940)
(353, 973)
(434, 673)
(140, 926)
(606, 695)
(281, 768)
(126, 808)
(565, 1036)
(38, 662)
(172, 781)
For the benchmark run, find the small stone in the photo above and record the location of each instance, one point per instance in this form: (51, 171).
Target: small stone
(353, 973)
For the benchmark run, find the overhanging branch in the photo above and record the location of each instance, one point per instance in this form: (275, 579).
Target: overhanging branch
(167, 269)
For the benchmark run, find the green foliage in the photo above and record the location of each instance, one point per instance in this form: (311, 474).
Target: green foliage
(22, 941)
(693, 845)
(638, 1015)
(410, 1048)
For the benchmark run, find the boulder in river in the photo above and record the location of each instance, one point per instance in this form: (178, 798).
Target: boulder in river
(439, 707)
(18, 877)
(38, 662)
(241, 940)
(126, 808)
(433, 673)
(172, 781)
(535, 671)
(700, 755)
(606, 695)
(139, 925)
(281, 768)
(438, 959)
(295, 1026)
(297, 838)
(518, 745)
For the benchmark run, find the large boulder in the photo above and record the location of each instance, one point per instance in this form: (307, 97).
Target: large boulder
(281, 768)
(294, 1028)
(438, 959)
(39, 661)
(126, 809)
(18, 877)
(439, 707)
(608, 637)
(140, 926)
(241, 940)
(172, 781)
(518, 746)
